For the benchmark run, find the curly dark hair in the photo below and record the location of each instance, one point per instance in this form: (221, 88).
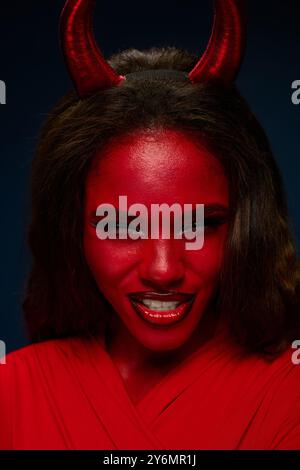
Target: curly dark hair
(259, 285)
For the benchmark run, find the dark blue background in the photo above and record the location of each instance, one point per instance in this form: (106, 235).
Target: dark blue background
(32, 67)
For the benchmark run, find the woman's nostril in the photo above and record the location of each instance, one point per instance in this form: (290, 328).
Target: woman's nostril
(162, 274)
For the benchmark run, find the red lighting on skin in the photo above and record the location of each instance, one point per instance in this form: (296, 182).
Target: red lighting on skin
(155, 167)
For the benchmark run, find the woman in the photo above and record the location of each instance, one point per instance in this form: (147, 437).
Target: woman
(141, 343)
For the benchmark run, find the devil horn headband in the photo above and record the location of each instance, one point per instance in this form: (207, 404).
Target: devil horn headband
(90, 71)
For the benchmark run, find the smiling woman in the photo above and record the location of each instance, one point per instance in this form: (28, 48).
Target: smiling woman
(141, 166)
(141, 343)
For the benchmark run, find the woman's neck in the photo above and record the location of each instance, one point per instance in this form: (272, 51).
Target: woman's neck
(131, 356)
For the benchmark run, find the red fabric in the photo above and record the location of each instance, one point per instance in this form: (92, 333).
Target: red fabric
(68, 394)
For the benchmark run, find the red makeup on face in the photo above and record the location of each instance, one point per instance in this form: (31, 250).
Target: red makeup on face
(158, 289)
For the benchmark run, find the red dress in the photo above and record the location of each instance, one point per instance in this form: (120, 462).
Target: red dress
(68, 394)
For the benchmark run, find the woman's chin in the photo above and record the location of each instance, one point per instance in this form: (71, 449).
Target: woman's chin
(167, 340)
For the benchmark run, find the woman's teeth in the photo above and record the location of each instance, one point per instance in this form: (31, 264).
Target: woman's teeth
(159, 306)
(161, 310)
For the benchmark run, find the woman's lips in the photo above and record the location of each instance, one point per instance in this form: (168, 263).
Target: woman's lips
(161, 309)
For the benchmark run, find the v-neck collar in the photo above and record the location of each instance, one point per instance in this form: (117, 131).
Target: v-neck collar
(164, 392)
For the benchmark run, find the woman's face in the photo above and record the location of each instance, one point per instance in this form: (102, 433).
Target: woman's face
(158, 288)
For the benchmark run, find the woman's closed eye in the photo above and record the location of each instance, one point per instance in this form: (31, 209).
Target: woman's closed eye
(211, 223)
(118, 227)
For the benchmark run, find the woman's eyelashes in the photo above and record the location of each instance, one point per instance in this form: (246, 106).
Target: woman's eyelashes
(209, 224)
(214, 221)
(118, 228)
(135, 230)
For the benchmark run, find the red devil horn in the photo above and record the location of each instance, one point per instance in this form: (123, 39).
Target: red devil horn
(87, 67)
(223, 56)
(90, 71)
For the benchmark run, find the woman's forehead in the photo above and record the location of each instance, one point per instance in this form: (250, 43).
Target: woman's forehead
(158, 164)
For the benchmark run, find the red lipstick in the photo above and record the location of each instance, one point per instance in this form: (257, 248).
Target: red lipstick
(161, 309)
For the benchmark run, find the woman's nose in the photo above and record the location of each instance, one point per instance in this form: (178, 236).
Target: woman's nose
(161, 266)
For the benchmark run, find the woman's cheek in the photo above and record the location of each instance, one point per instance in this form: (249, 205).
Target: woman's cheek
(207, 262)
(109, 260)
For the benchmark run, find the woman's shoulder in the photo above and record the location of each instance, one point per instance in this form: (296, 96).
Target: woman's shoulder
(35, 376)
(27, 364)
(276, 376)
(278, 383)
(31, 348)
(271, 369)
(28, 353)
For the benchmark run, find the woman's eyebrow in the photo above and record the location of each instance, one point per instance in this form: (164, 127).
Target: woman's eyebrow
(118, 213)
(209, 209)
